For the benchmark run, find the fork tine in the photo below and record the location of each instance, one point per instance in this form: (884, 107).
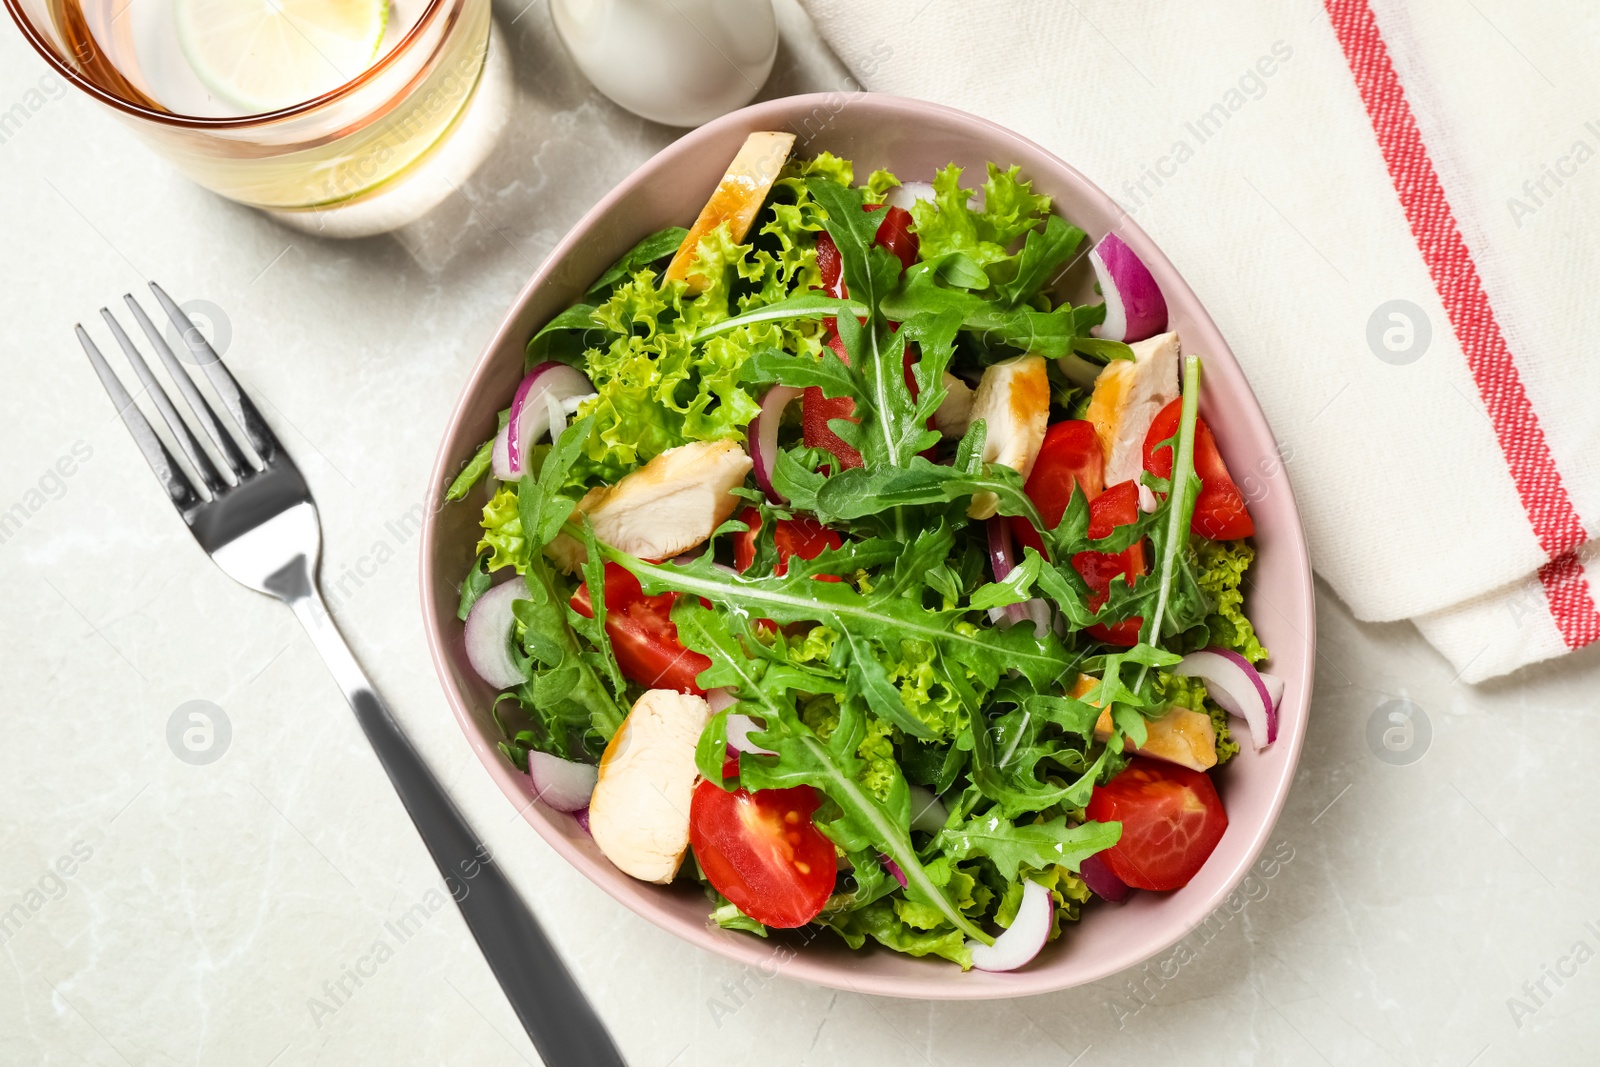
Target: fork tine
(233, 398)
(171, 476)
(180, 429)
(197, 402)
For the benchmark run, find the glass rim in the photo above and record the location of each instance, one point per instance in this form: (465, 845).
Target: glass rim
(172, 118)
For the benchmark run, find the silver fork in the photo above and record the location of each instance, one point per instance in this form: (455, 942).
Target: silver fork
(259, 523)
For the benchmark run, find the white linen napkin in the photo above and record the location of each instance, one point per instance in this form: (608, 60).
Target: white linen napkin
(1442, 476)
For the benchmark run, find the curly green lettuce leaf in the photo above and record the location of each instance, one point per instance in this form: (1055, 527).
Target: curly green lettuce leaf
(1036, 845)
(502, 537)
(1181, 691)
(726, 914)
(1226, 746)
(879, 182)
(825, 165)
(946, 224)
(665, 377)
(1221, 566)
(1067, 889)
(883, 923)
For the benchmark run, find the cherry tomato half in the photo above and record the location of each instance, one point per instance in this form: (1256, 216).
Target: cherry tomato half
(894, 233)
(1115, 507)
(1219, 510)
(762, 851)
(800, 536)
(1171, 821)
(831, 264)
(643, 636)
(1071, 455)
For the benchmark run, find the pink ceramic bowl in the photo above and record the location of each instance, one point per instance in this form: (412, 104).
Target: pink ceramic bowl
(910, 138)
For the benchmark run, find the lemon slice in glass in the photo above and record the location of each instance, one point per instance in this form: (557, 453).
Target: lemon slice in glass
(262, 55)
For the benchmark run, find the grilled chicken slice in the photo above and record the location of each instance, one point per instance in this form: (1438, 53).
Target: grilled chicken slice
(955, 413)
(1013, 400)
(639, 813)
(667, 506)
(1181, 736)
(1127, 397)
(736, 200)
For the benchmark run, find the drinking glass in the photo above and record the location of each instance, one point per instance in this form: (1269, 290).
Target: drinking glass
(365, 157)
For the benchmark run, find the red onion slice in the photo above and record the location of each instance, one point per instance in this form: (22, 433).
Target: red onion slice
(1033, 610)
(1002, 554)
(1025, 937)
(738, 736)
(582, 816)
(928, 812)
(531, 413)
(1098, 877)
(720, 698)
(1274, 686)
(1236, 685)
(1003, 559)
(907, 193)
(488, 634)
(893, 868)
(763, 436)
(561, 784)
(1135, 308)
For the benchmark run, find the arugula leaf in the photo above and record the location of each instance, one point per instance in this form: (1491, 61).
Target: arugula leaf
(881, 614)
(1006, 755)
(658, 245)
(827, 373)
(1017, 586)
(542, 506)
(474, 585)
(1037, 845)
(858, 819)
(475, 469)
(1171, 543)
(961, 270)
(870, 681)
(861, 491)
(1042, 256)
(799, 306)
(594, 577)
(869, 270)
(565, 337)
(888, 431)
(1051, 334)
(563, 689)
(796, 474)
(1101, 349)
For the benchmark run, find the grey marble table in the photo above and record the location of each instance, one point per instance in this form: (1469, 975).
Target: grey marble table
(274, 906)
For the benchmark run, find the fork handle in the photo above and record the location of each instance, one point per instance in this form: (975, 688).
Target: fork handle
(557, 1016)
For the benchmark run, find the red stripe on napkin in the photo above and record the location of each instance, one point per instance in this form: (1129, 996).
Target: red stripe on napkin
(1550, 511)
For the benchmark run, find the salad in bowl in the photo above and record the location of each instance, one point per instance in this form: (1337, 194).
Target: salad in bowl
(834, 562)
